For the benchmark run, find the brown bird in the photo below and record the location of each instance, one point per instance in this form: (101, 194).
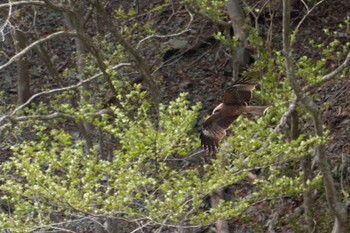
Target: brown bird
(235, 103)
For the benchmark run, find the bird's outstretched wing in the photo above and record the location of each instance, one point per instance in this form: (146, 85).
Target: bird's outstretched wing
(214, 129)
(239, 94)
(235, 103)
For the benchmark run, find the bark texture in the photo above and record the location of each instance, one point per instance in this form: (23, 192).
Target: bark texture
(23, 74)
(240, 55)
(337, 208)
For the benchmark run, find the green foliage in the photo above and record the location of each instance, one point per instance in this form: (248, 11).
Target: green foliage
(53, 172)
(231, 43)
(213, 8)
(142, 180)
(145, 176)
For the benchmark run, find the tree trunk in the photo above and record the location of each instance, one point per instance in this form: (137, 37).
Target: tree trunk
(240, 55)
(50, 66)
(340, 227)
(307, 197)
(86, 128)
(23, 77)
(337, 208)
(221, 225)
(306, 168)
(99, 228)
(141, 65)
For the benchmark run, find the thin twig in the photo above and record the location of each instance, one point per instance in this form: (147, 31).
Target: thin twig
(10, 4)
(36, 43)
(7, 21)
(308, 11)
(170, 35)
(324, 79)
(58, 90)
(140, 227)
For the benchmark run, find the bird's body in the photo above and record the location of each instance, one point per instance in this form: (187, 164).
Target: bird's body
(235, 103)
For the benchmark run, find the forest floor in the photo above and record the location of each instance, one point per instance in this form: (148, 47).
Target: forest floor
(201, 72)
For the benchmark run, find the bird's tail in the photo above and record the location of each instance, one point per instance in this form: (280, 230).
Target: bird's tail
(255, 109)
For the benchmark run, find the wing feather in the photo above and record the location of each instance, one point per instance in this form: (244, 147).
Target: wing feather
(214, 129)
(238, 94)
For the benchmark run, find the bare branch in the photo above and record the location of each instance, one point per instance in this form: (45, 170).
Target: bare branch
(283, 120)
(54, 225)
(43, 117)
(141, 227)
(331, 75)
(36, 43)
(209, 18)
(171, 35)
(175, 225)
(308, 11)
(60, 6)
(337, 208)
(7, 21)
(141, 65)
(10, 4)
(324, 79)
(59, 90)
(59, 115)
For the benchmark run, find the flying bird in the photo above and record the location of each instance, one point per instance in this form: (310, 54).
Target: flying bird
(235, 103)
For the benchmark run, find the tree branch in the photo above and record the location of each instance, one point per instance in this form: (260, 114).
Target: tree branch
(308, 11)
(10, 4)
(7, 20)
(58, 90)
(331, 75)
(283, 120)
(171, 35)
(59, 115)
(336, 207)
(209, 18)
(36, 43)
(139, 61)
(324, 79)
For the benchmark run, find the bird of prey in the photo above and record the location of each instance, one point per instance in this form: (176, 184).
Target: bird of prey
(235, 103)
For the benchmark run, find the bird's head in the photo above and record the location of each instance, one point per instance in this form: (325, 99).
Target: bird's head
(218, 109)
